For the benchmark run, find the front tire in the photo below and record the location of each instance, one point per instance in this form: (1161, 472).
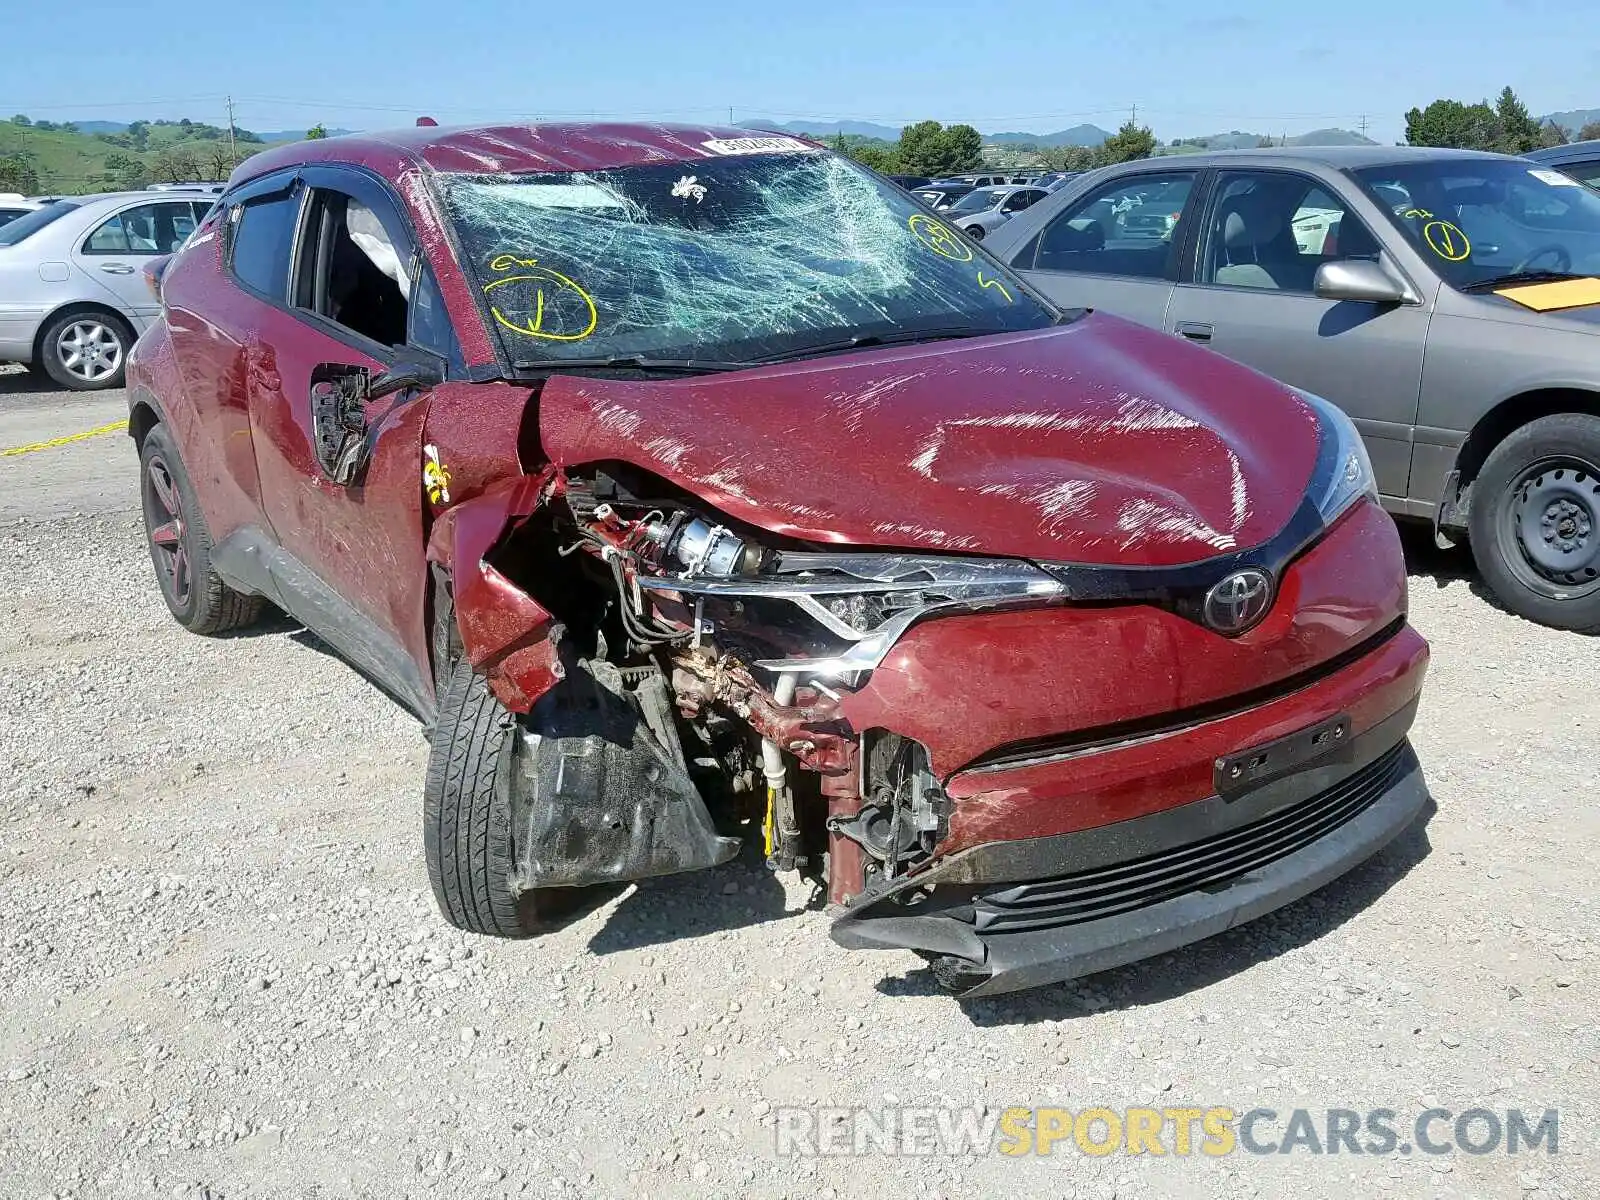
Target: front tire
(1535, 521)
(86, 351)
(466, 829)
(180, 545)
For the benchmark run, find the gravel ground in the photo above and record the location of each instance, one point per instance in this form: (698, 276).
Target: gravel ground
(222, 974)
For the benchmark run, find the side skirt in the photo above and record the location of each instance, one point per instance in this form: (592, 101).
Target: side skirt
(249, 560)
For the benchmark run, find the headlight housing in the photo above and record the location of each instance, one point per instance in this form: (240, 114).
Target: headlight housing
(1343, 473)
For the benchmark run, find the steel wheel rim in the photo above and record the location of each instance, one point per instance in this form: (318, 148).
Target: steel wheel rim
(90, 350)
(1550, 527)
(167, 531)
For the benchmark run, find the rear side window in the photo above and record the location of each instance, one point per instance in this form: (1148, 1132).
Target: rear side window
(263, 236)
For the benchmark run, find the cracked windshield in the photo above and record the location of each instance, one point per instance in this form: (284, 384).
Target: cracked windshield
(746, 258)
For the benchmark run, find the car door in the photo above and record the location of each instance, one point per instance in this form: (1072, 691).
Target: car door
(1087, 256)
(114, 252)
(1252, 297)
(342, 294)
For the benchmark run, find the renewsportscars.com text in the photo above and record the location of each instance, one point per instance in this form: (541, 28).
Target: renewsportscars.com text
(1214, 1131)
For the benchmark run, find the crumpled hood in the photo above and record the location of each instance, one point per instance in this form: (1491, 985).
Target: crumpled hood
(1097, 442)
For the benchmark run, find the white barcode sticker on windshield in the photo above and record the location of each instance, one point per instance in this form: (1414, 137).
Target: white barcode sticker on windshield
(758, 145)
(1554, 178)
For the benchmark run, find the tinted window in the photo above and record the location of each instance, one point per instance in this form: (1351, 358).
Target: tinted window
(1585, 172)
(430, 320)
(16, 230)
(147, 229)
(1272, 230)
(1124, 227)
(263, 236)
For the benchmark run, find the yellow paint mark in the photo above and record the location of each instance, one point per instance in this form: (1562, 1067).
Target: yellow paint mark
(997, 285)
(940, 238)
(113, 427)
(1547, 297)
(1416, 213)
(563, 290)
(1447, 240)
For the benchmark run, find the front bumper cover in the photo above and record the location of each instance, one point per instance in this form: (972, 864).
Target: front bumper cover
(1005, 915)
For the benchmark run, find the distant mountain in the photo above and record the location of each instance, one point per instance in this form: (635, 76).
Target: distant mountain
(1332, 137)
(827, 128)
(1238, 139)
(1078, 135)
(275, 135)
(1574, 120)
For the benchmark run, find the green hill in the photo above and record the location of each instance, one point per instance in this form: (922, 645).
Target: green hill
(44, 157)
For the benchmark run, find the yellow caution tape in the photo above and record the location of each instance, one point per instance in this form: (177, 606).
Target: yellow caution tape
(113, 427)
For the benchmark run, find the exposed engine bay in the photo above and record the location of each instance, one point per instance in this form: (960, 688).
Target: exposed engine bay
(702, 678)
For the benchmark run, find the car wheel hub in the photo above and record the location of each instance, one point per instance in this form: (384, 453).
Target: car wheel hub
(168, 540)
(1557, 511)
(90, 350)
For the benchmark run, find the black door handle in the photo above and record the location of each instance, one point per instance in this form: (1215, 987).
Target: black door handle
(1195, 331)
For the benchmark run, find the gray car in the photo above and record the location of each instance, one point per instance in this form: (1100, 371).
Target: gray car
(979, 213)
(1581, 160)
(72, 293)
(1404, 285)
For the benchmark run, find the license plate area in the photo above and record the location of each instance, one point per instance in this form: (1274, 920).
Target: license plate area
(1250, 768)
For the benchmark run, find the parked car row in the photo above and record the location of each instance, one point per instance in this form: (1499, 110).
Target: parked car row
(72, 293)
(1445, 299)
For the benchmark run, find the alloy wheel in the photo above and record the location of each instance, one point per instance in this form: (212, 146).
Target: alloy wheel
(1551, 519)
(90, 350)
(163, 508)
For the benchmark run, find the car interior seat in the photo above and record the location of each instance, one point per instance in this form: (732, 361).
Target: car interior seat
(1256, 246)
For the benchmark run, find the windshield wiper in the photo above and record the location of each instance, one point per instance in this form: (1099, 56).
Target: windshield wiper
(632, 362)
(864, 340)
(1516, 277)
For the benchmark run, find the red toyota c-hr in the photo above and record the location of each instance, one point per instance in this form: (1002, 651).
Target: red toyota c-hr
(695, 486)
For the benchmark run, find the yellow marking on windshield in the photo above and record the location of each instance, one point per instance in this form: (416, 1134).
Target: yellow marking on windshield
(1447, 240)
(997, 285)
(939, 237)
(564, 296)
(1416, 213)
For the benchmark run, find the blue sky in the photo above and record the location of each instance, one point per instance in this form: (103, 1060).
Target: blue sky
(1022, 64)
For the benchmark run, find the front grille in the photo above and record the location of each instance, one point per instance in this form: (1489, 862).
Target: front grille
(1210, 863)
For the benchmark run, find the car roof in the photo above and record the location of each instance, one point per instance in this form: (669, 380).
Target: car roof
(557, 146)
(1337, 157)
(1572, 152)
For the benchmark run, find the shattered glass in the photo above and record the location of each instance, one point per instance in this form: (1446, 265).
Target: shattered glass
(732, 259)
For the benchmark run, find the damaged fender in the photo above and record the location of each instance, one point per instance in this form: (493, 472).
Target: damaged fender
(506, 634)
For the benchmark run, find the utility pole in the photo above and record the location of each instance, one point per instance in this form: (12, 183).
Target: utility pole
(233, 149)
(730, 114)
(1135, 118)
(1363, 124)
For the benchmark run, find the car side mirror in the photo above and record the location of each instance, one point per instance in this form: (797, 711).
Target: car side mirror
(339, 398)
(1360, 280)
(408, 374)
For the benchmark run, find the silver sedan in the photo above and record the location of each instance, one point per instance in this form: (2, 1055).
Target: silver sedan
(981, 212)
(72, 292)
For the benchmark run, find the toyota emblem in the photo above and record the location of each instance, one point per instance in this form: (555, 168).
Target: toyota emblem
(1236, 602)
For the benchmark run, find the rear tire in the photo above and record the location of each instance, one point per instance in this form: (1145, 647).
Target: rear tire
(466, 829)
(1535, 521)
(180, 545)
(86, 351)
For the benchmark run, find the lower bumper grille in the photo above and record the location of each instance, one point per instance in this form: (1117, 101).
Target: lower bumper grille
(1210, 863)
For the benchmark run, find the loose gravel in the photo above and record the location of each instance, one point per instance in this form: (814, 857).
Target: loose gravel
(222, 974)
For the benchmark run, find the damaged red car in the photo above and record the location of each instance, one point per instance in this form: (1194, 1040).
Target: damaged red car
(699, 488)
